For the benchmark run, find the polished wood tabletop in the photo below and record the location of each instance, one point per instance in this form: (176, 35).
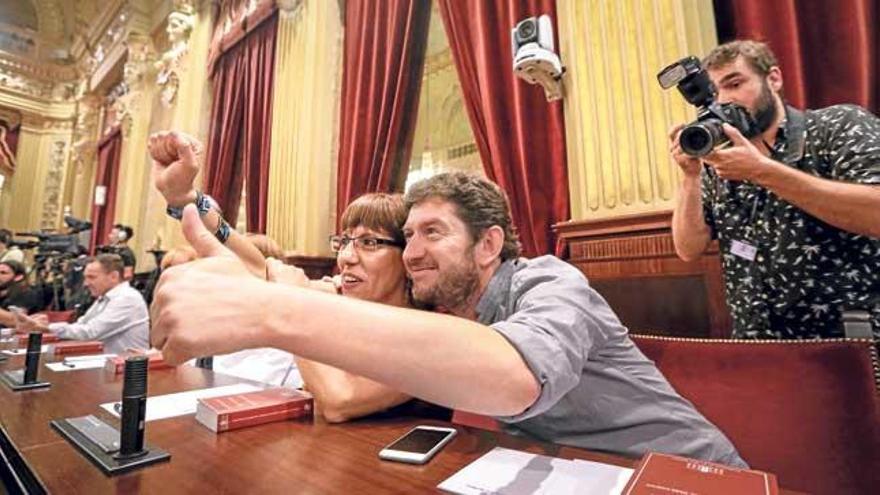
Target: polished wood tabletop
(301, 456)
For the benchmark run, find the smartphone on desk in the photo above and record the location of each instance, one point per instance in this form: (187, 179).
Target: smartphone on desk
(419, 445)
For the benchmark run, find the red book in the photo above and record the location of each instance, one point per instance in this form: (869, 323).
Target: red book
(48, 338)
(154, 362)
(235, 411)
(71, 347)
(662, 474)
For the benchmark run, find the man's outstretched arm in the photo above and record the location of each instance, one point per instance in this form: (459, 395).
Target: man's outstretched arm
(212, 306)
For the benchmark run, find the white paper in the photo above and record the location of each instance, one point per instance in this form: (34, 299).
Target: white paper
(510, 472)
(77, 365)
(183, 403)
(23, 350)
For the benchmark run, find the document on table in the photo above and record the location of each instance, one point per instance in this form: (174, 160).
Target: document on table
(183, 403)
(74, 363)
(23, 350)
(511, 472)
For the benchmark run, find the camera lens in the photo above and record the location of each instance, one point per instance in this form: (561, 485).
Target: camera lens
(526, 30)
(699, 139)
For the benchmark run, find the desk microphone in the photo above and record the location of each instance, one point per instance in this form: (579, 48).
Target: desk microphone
(134, 408)
(32, 358)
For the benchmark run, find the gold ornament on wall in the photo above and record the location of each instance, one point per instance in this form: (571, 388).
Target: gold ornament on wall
(169, 65)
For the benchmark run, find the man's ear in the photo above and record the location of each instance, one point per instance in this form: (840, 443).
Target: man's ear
(488, 248)
(774, 79)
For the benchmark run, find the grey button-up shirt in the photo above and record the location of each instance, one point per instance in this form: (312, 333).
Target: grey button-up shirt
(119, 319)
(598, 391)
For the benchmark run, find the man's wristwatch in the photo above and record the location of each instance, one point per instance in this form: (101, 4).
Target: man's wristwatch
(204, 203)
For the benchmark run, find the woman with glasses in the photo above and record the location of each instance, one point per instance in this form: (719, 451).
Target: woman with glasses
(368, 254)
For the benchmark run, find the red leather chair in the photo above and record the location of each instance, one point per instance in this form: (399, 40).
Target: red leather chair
(808, 411)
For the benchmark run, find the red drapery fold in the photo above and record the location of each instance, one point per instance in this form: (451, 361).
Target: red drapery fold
(829, 50)
(520, 136)
(8, 146)
(107, 176)
(241, 119)
(382, 73)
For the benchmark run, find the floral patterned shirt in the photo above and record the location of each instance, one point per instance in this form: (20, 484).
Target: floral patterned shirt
(802, 272)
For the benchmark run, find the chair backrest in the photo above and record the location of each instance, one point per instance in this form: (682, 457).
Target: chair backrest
(808, 411)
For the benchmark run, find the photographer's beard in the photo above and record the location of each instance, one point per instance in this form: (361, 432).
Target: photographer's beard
(454, 288)
(765, 110)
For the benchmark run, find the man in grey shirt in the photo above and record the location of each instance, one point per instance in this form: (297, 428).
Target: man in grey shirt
(118, 317)
(598, 391)
(526, 341)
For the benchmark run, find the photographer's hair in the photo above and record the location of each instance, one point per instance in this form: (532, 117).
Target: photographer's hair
(381, 212)
(129, 232)
(479, 203)
(5, 236)
(16, 267)
(757, 54)
(110, 263)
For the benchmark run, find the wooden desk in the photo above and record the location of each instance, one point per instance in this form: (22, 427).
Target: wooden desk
(286, 457)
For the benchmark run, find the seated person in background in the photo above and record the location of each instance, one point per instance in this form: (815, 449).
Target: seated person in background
(15, 292)
(118, 244)
(369, 259)
(118, 317)
(9, 252)
(527, 341)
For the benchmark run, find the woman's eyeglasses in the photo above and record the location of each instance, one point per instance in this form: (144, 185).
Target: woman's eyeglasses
(362, 243)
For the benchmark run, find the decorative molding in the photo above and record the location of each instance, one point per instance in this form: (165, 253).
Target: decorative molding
(52, 188)
(84, 148)
(179, 27)
(44, 90)
(439, 61)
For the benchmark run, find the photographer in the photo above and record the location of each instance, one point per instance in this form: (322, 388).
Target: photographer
(118, 244)
(15, 292)
(9, 251)
(795, 209)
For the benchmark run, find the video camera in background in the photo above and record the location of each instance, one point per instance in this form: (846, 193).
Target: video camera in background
(703, 135)
(59, 261)
(50, 243)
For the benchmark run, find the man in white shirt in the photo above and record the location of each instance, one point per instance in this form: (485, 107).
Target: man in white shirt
(118, 318)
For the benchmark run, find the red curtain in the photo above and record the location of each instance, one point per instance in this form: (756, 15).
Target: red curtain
(382, 72)
(829, 50)
(106, 175)
(520, 136)
(241, 117)
(8, 146)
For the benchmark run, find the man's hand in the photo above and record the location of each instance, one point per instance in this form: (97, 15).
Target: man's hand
(36, 323)
(689, 165)
(209, 306)
(741, 160)
(175, 166)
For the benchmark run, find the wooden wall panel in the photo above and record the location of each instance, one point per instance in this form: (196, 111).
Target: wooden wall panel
(631, 261)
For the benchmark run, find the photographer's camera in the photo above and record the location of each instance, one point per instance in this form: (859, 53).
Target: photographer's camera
(703, 135)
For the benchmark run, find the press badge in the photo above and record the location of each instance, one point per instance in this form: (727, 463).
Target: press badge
(743, 250)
